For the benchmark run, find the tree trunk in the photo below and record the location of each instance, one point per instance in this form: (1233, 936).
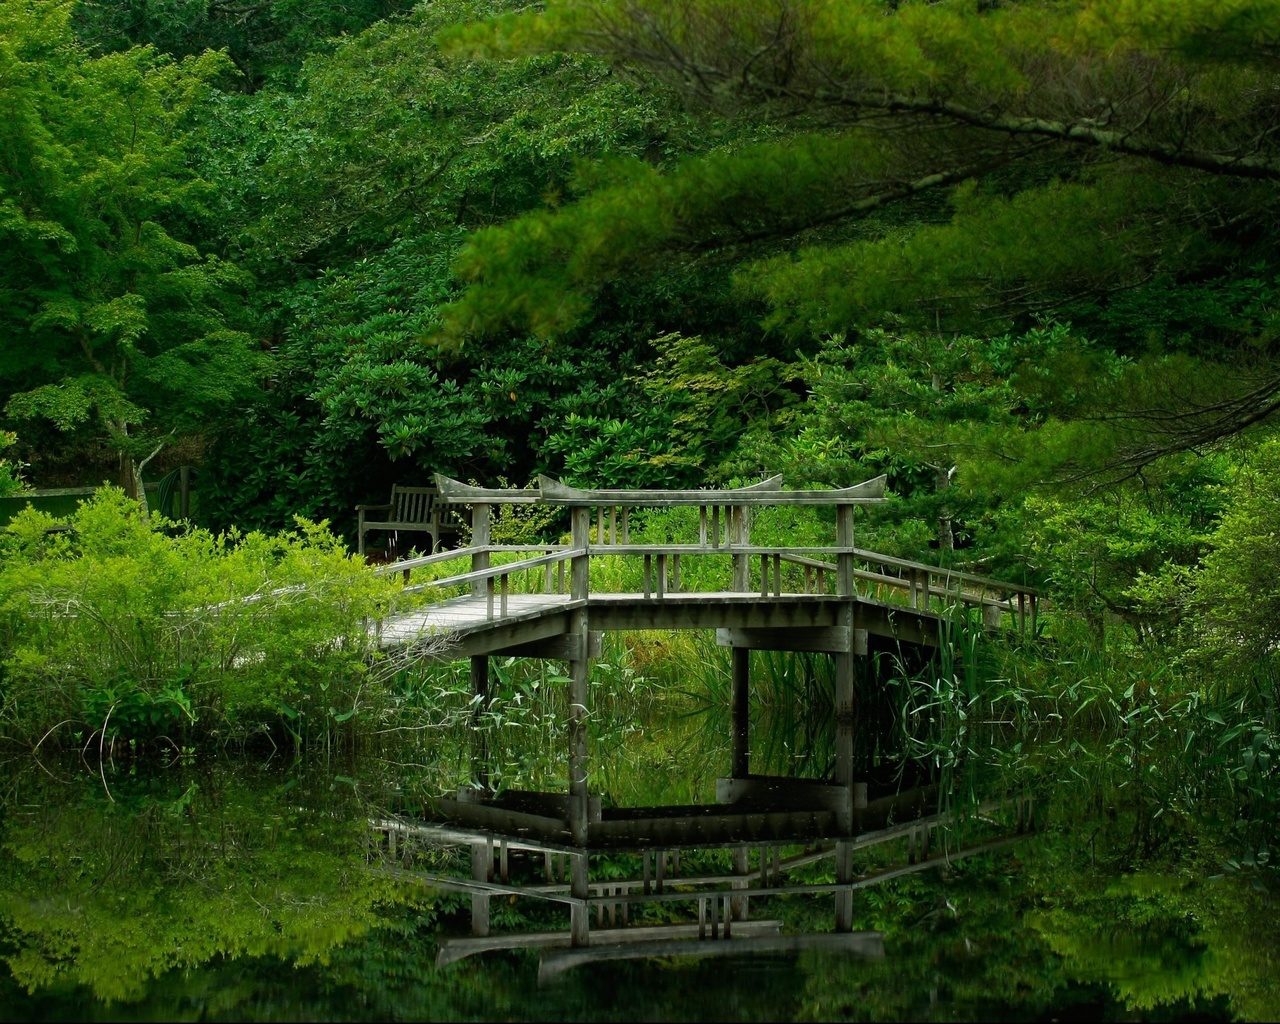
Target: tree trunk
(946, 538)
(139, 488)
(131, 477)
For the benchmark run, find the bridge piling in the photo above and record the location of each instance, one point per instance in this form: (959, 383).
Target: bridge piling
(741, 712)
(479, 734)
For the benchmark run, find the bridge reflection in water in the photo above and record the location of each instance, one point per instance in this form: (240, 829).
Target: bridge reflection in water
(540, 845)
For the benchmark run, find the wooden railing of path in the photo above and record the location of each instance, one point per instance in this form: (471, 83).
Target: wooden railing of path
(601, 527)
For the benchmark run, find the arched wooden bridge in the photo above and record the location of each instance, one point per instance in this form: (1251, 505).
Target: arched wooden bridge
(546, 602)
(814, 598)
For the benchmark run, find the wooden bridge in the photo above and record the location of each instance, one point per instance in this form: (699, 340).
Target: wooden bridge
(773, 597)
(554, 601)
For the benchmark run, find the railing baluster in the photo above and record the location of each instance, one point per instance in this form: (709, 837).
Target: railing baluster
(715, 526)
(626, 525)
(648, 565)
(560, 577)
(505, 584)
(662, 576)
(548, 573)
(702, 526)
(613, 524)
(488, 589)
(808, 578)
(675, 574)
(764, 575)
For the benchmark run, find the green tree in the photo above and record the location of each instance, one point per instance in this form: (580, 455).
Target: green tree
(10, 482)
(107, 314)
(267, 39)
(933, 166)
(350, 197)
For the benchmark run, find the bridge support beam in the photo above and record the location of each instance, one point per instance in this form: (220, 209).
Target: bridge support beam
(741, 713)
(479, 538)
(479, 734)
(847, 817)
(579, 913)
(481, 867)
(579, 682)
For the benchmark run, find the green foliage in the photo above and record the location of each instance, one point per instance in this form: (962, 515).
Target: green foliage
(10, 481)
(125, 322)
(267, 41)
(376, 168)
(690, 409)
(360, 402)
(388, 138)
(1098, 554)
(1230, 595)
(176, 873)
(115, 626)
(1012, 93)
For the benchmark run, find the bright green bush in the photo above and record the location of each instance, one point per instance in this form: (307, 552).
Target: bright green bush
(112, 622)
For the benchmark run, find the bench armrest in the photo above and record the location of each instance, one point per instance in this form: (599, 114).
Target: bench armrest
(372, 508)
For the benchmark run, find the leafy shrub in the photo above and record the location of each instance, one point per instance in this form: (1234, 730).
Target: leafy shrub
(112, 621)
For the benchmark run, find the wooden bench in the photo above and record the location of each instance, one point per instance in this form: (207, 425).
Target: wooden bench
(410, 510)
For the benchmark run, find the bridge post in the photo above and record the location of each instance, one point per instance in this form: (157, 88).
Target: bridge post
(740, 535)
(479, 735)
(741, 712)
(481, 868)
(579, 695)
(579, 913)
(479, 538)
(844, 665)
(579, 671)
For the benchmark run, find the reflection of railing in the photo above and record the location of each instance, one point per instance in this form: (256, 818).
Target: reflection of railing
(722, 901)
(601, 526)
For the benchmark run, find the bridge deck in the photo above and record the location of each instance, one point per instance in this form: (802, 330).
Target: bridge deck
(471, 625)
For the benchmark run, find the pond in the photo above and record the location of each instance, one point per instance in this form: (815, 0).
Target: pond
(265, 888)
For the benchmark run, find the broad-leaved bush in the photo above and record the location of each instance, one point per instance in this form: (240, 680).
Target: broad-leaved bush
(116, 622)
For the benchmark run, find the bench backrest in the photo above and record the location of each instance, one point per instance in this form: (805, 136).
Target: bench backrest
(412, 504)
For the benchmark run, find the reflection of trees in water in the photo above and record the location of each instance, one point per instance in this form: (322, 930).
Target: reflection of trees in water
(177, 872)
(237, 875)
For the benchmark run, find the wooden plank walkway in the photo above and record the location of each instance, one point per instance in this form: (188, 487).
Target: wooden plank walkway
(460, 618)
(468, 627)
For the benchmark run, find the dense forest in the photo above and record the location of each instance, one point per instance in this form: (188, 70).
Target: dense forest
(1022, 256)
(1019, 256)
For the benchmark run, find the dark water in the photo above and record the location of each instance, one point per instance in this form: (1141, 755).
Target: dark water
(250, 891)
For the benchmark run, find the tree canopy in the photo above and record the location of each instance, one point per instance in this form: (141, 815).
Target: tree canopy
(123, 321)
(954, 167)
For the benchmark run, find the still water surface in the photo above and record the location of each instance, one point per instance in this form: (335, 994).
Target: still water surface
(252, 890)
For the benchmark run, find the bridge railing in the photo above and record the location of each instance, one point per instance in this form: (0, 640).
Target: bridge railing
(601, 527)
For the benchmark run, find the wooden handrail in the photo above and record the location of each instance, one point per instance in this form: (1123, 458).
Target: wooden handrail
(445, 556)
(791, 555)
(506, 569)
(707, 549)
(767, 492)
(903, 563)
